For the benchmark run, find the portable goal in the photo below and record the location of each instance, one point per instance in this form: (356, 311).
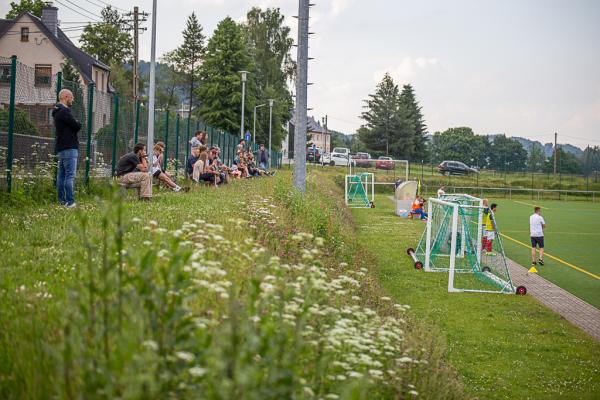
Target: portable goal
(359, 190)
(455, 241)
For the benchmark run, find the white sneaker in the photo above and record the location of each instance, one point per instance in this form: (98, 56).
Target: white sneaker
(176, 188)
(71, 205)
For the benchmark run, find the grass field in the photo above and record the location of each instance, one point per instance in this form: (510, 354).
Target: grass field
(504, 346)
(572, 236)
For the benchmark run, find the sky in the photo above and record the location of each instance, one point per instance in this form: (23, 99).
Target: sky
(524, 68)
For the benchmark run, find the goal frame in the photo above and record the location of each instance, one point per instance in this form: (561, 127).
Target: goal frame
(405, 162)
(368, 183)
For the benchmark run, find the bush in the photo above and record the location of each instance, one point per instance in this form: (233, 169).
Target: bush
(23, 123)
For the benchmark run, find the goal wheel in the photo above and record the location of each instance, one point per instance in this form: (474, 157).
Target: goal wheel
(418, 265)
(410, 250)
(372, 204)
(521, 290)
(486, 269)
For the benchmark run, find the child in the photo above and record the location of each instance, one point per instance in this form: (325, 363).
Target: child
(158, 172)
(417, 208)
(490, 230)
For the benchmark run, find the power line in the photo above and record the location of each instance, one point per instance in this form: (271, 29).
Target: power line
(75, 11)
(93, 14)
(110, 5)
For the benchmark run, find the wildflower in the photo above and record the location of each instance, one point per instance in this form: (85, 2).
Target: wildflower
(150, 344)
(185, 356)
(197, 371)
(405, 360)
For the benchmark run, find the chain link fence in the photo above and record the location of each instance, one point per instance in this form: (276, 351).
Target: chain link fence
(111, 126)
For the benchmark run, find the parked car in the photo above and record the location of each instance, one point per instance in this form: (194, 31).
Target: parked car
(341, 150)
(334, 159)
(363, 160)
(313, 155)
(384, 162)
(455, 168)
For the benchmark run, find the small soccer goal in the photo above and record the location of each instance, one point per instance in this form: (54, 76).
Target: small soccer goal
(455, 241)
(359, 190)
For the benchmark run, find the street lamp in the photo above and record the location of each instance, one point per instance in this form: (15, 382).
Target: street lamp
(270, 127)
(254, 130)
(244, 78)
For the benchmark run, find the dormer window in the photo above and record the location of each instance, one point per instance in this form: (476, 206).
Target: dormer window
(24, 34)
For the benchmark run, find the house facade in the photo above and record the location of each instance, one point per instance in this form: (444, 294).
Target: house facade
(317, 134)
(42, 47)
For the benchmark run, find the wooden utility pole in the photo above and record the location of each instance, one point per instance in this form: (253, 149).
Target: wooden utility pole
(555, 152)
(135, 51)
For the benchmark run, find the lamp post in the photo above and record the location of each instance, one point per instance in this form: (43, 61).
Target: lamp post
(254, 129)
(270, 127)
(244, 78)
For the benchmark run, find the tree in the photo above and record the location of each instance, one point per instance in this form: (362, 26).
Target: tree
(168, 86)
(270, 43)
(32, 6)
(535, 162)
(507, 154)
(220, 91)
(460, 144)
(591, 160)
(566, 163)
(108, 41)
(416, 122)
(387, 129)
(187, 57)
(69, 71)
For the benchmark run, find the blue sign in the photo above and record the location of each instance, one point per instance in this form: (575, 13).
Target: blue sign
(248, 136)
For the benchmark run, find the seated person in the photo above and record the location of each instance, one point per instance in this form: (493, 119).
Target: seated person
(202, 170)
(189, 166)
(133, 168)
(217, 165)
(417, 208)
(159, 173)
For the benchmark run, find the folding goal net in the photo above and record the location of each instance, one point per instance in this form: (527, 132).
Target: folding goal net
(360, 190)
(455, 241)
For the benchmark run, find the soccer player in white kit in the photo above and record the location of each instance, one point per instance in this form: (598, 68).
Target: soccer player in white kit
(536, 231)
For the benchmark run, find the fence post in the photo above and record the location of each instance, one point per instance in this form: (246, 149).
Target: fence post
(90, 127)
(187, 138)
(177, 144)
(166, 155)
(11, 122)
(114, 136)
(136, 130)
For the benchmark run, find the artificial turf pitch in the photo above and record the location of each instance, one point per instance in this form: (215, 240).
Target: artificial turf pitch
(572, 236)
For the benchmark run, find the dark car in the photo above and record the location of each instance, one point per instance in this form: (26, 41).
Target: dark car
(363, 160)
(313, 155)
(455, 168)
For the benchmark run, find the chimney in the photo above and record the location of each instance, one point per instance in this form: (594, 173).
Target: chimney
(50, 18)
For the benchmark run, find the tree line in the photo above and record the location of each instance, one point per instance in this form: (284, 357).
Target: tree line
(394, 126)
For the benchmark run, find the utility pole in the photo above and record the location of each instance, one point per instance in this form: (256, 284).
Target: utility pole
(244, 78)
(301, 97)
(270, 127)
(555, 153)
(326, 134)
(136, 55)
(152, 88)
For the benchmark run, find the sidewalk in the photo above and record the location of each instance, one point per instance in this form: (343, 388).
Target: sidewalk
(572, 308)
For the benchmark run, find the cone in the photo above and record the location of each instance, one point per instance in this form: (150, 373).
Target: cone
(533, 270)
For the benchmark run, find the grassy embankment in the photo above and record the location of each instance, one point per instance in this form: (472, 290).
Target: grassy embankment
(248, 291)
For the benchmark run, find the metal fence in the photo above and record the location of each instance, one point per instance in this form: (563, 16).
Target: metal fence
(111, 125)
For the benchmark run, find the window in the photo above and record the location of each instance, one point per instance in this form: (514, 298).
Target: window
(97, 82)
(25, 34)
(43, 75)
(4, 74)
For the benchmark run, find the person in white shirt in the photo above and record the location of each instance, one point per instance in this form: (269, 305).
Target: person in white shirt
(536, 230)
(441, 192)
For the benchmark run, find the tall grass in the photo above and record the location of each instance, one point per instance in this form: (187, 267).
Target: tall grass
(225, 294)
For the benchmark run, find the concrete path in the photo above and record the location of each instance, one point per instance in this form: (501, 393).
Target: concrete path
(572, 308)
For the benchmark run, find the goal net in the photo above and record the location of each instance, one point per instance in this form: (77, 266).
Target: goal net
(455, 241)
(359, 190)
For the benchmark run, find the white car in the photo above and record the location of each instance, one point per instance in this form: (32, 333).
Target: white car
(334, 159)
(341, 150)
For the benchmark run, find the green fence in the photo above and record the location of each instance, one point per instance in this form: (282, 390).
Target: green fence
(111, 125)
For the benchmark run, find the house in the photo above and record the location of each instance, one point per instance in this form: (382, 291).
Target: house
(40, 44)
(316, 133)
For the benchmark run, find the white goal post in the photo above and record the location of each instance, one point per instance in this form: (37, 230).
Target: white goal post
(371, 164)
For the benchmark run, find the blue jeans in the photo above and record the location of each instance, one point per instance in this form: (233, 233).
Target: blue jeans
(263, 165)
(67, 166)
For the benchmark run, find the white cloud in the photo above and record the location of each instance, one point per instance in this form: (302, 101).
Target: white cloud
(407, 70)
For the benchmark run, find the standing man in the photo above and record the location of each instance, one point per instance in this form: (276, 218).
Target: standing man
(490, 230)
(536, 231)
(67, 147)
(132, 168)
(440, 192)
(263, 157)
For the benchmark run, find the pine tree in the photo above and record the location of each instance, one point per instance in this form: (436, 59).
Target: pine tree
(387, 129)
(187, 57)
(69, 71)
(416, 122)
(220, 92)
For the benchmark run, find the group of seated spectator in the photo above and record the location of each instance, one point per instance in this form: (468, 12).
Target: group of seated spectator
(204, 165)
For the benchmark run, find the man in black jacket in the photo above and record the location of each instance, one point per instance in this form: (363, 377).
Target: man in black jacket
(67, 147)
